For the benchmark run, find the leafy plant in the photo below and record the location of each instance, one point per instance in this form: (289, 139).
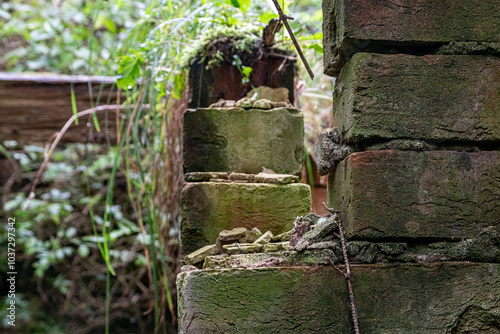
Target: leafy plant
(148, 44)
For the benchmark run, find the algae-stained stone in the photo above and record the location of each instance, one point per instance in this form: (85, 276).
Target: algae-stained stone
(210, 207)
(410, 298)
(243, 141)
(434, 97)
(405, 194)
(200, 254)
(350, 26)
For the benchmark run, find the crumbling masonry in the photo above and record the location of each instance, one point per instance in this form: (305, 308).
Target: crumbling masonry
(417, 108)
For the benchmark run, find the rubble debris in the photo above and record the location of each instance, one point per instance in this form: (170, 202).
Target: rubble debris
(265, 238)
(200, 254)
(301, 226)
(263, 177)
(282, 237)
(226, 237)
(330, 151)
(253, 235)
(322, 231)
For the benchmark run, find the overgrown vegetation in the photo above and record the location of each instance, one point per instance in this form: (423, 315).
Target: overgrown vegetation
(109, 221)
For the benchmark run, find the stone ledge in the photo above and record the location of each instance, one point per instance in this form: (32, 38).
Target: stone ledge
(244, 140)
(435, 98)
(410, 298)
(443, 195)
(210, 207)
(404, 27)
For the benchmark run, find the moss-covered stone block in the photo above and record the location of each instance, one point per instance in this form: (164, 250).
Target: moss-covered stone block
(210, 207)
(435, 97)
(405, 194)
(350, 26)
(431, 298)
(243, 140)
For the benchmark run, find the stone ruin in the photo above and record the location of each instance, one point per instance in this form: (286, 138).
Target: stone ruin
(414, 172)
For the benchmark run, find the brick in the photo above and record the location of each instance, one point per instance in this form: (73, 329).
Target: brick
(429, 298)
(402, 25)
(404, 194)
(435, 97)
(210, 207)
(244, 141)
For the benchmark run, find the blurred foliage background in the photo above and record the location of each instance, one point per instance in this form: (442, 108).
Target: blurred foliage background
(98, 246)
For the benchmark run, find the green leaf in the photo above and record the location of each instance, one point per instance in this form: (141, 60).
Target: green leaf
(130, 69)
(267, 16)
(103, 21)
(73, 103)
(318, 48)
(246, 70)
(179, 81)
(243, 5)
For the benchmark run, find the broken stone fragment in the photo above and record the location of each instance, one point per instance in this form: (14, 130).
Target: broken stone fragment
(264, 178)
(271, 94)
(187, 268)
(223, 104)
(226, 237)
(301, 226)
(200, 254)
(276, 178)
(282, 237)
(236, 234)
(285, 245)
(205, 176)
(275, 247)
(265, 238)
(262, 104)
(324, 245)
(243, 248)
(329, 151)
(271, 247)
(253, 235)
(322, 231)
(245, 102)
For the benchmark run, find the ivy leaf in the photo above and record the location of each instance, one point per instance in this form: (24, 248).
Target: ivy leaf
(130, 69)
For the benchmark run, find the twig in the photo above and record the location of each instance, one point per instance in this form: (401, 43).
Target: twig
(347, 274)
(284, 19)
(59, 135)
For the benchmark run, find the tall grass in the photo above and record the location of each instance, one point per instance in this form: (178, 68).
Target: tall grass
(148, 150)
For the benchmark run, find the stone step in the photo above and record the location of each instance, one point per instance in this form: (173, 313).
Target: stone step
(411, 26)
(405, 194)
(435, 97)
(431, 298)
(244, 140)
(210, 207)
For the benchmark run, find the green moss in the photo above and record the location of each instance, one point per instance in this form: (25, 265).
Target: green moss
(243, 37)
(408, 298)
(244, 141)
(210, 207)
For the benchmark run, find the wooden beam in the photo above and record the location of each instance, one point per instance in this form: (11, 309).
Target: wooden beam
(35, 106)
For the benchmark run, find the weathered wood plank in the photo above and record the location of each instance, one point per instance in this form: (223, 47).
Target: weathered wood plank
(34, 107)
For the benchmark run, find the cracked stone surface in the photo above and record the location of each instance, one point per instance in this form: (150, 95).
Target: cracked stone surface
(428, 298)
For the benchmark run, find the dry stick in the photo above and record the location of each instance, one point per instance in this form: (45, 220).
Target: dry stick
(284, 18)
(347, 274)
(56, 141)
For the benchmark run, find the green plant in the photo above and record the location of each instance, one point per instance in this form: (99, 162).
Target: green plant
(149, 41)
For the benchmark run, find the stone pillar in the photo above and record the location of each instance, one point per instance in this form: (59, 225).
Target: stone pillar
(417, 107)
(224, 150)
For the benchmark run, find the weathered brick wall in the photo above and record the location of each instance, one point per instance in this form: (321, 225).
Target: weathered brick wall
(417, 103)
